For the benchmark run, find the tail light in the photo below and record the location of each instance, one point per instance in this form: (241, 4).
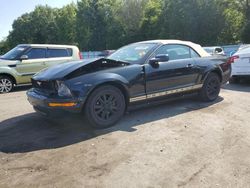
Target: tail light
(232, 59)
(80, 55)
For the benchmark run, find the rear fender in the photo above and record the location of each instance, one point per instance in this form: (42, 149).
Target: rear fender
(212, 68)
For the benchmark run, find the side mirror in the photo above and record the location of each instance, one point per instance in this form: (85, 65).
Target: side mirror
(217, 50)
(159, 58)
(24, 57)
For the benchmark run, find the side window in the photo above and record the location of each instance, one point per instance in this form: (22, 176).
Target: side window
(36, 53)
(193, 53)
(176, 52)
(70, 51)
(59, 53)
(162, 50)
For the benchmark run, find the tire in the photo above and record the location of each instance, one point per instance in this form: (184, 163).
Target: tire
(105, 107)
(6, 84)
(234, 80)
(211, 88)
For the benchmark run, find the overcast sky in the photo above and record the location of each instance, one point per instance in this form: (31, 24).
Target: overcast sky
(12, 9)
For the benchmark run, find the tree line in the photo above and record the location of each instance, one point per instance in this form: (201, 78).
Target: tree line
(109, 24)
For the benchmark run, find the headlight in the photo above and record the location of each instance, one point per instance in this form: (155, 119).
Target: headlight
(63, 90)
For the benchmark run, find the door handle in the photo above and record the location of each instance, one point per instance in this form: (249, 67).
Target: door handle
(190, 65)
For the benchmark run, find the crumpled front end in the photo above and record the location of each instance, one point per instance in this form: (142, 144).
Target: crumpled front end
(65, 87)
(45, 99)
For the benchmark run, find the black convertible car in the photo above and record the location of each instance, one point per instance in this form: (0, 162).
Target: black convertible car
(137, 73)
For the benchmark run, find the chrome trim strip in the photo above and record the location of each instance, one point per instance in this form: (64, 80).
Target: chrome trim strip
(140, 98)
(163, 93)
(159, 94)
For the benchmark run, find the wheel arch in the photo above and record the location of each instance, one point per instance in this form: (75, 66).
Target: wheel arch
(122, 87)
(218, 72)
(215, 70)
(10, 76)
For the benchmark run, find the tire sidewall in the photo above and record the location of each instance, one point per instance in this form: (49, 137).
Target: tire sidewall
(12, 83)
(204, 92)
(89, 110)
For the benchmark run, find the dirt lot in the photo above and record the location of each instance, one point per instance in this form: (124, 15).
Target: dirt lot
(179, 144)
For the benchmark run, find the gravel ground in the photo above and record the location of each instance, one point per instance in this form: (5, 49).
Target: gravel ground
(185, 143)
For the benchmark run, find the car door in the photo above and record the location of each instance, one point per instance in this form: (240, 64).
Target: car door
(35, 62)
(58, 55)
(179, 72)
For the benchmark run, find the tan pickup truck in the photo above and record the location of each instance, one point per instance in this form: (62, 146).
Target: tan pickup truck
(19, 64)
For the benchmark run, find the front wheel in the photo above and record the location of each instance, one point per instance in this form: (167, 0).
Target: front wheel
(105, 106)
(211, 88)
(6, 84)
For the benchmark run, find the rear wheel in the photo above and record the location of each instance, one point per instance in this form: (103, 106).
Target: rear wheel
(105, 106)
(6, 84)
(211, 88)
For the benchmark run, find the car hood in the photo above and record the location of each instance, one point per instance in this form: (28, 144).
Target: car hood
(5, 62)
(61, 71)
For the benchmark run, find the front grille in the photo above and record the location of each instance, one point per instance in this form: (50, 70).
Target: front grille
(46, 86)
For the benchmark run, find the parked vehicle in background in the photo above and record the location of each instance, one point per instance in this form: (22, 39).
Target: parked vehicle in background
(214, 50)
(96, 54)
(135, 74)
(240, 64)
(230, 50)
(106, 53)
(19, 64)
(90, 54)
(243, 46)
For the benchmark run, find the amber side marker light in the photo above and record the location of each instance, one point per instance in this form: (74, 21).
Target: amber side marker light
(70, 104)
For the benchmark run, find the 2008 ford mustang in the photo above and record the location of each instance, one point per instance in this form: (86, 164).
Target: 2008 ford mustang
(140, 72)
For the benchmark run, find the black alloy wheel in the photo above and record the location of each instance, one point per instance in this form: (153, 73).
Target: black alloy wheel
(211, 88)
(105, 106)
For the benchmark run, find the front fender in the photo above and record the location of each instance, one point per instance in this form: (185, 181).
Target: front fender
(9, 71)
(85, 84)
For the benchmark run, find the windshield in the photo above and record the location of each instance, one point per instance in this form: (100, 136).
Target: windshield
(12, 54)
(133, 52)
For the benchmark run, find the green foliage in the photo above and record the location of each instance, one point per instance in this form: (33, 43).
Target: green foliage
(109, 24)
(246, 27)
(3, 47)
(246, 33)
(231, 32)
(66, 24)
(38, 26)
(150, 27)
(45, 25)
(130, 14)
(196, 20)
(91, 24)
(98, 27)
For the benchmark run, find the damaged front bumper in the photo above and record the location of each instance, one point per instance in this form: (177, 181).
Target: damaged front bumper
(53, 106)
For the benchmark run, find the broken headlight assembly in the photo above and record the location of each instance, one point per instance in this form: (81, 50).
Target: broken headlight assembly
(62, 89)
